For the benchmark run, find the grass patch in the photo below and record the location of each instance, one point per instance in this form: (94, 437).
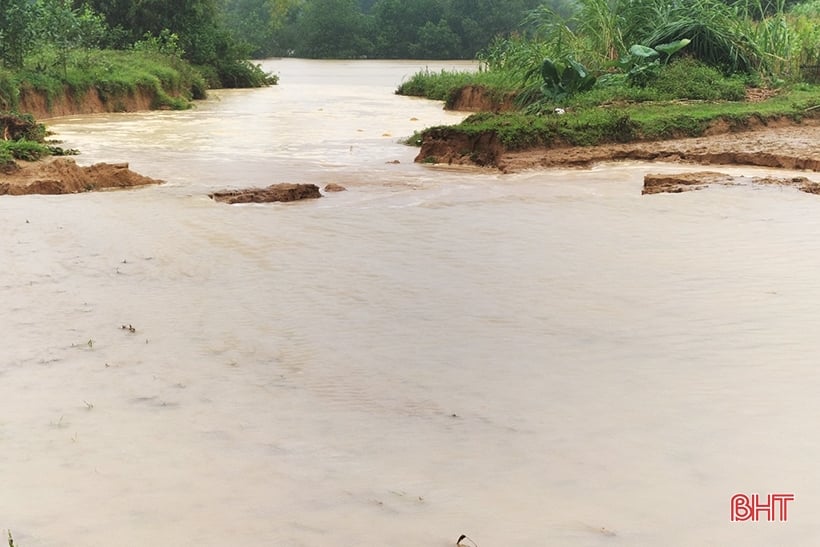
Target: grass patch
(114, 74)
(585, 125)
(443, 85)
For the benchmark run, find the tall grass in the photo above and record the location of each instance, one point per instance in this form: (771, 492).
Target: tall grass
(442, 85)
(750, 36)
(760, 39)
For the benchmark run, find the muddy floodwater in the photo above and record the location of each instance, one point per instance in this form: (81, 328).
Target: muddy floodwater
(546, 358)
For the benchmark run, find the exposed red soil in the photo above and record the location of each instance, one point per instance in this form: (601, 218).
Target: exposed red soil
(782, 144)
(788, 147)
(475, 98)
(38, 104)
(771, 143)
(64, 176)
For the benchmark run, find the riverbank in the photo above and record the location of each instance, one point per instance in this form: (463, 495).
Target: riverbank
(103, 81)
(785, 145)
(42, 105)
(777, 129)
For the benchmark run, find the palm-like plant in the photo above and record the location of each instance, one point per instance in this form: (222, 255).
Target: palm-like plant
(718, 36)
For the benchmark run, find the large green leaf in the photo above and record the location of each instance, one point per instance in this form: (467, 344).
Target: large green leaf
(551, 71)
(643, 52)
(578, 67)
(671, 48)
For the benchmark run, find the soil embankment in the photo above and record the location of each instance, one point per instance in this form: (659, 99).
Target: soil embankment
(476, 98)
(780, 143)
(92, 101)
(64, 176)
(784, 145)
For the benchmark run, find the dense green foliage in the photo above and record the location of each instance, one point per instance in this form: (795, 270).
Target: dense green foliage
(631, 47)
(393, 29)
(47, 34)
(448, 29)
(194, 26)
(662, 69)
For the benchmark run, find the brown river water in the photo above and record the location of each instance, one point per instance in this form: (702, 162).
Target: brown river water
(546, 358)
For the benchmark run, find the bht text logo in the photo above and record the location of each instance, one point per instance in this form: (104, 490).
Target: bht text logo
(771, 508)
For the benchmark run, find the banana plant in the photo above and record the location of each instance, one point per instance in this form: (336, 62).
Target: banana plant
(564, 78)
(643, 63)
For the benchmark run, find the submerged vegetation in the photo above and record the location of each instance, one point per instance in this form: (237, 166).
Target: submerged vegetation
(621, 70)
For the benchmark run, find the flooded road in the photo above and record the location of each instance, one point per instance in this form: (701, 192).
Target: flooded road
(546, 358)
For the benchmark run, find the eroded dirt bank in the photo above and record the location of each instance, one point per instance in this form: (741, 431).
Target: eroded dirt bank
(788, 146)
(92, 101)
(475, 98)
(64, 176)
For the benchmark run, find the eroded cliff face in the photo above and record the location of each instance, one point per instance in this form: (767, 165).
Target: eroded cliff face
(781, 143)
(445, 145)
(475, 98)
(92, 101)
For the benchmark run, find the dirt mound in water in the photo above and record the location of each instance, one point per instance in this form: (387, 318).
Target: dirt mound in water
(683, 182)
(275, 192)
(64, 176)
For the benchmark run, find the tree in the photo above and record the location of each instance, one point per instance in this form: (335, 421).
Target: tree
(61, 27)
(398, 23)
(333, 29)
(16, 31)
(437, 41)
(477, 22)
(194, 21)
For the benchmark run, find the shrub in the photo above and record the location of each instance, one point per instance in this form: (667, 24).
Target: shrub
(689, 78)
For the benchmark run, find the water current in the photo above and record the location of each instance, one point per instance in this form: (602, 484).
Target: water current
(545, 358)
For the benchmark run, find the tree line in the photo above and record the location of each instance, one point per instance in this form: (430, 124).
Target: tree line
(398, 29)
(220, 34)
(392, 29)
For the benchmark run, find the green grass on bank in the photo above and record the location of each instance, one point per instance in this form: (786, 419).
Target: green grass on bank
(683, 100)
(173, 82)
(443, 86)
(594, 125)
